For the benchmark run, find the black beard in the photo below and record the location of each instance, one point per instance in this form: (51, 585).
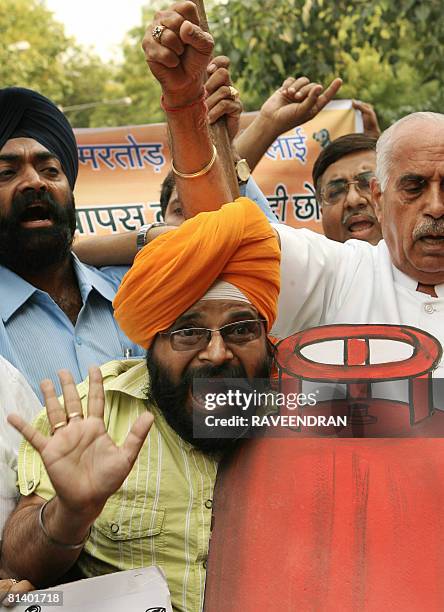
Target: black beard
(171, 398)
(29, 251)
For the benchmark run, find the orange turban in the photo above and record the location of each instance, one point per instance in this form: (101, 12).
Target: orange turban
(235, 244)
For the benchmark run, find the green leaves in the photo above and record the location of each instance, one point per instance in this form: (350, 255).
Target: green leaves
(322, 39)
(278, 62)
(388, 52)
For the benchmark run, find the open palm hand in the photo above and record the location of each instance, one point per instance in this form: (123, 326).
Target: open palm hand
(82, 461)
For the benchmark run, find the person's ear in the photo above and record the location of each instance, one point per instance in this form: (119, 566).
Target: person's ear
(377, 198)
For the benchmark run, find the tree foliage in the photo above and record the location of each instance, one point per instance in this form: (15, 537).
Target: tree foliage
(136, 78)
(388, 53)
(36, 53)
(399, 43)
(32, 48)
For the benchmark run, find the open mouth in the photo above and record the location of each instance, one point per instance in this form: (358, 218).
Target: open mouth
(36, 215)
(360, 225)
(199, 402)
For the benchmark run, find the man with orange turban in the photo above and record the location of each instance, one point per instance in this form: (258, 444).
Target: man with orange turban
(201, 299)
(175, 270)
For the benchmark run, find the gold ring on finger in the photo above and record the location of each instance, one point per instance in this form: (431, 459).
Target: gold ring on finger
(157, 32)
(234, 92)
(58, 426)
(73, 415)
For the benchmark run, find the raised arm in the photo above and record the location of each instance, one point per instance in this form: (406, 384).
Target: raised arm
(295, 103)
(178, 52)
(120, 249)
(42, 540)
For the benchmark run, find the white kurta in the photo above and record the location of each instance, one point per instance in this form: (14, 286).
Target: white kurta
(15, 396)
(325, 282)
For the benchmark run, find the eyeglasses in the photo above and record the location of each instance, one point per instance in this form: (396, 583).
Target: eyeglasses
(197, 338)
(336, 191)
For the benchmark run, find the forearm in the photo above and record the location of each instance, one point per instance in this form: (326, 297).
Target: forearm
(255, 140)
(192, 150)
(118, 249)
(26, 550)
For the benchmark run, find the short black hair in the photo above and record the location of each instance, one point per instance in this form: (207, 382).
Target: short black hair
(165, 192)
(339, 148)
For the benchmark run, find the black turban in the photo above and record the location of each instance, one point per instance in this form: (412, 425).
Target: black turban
(27, 114)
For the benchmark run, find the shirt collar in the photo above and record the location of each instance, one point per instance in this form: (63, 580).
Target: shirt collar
(89, 277)
(20, 291)
(130, 378)
(134, 382)
(410, 283)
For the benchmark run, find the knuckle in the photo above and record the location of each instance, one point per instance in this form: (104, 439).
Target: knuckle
(222, 60)
(187, 8)
(169, 38)
(224, 73)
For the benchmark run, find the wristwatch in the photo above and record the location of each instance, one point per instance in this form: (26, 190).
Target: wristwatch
(242, 170)
(143, 231)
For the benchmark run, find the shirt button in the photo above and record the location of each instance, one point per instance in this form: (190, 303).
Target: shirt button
(429, 308)
(205, 564)
(78, 340)
(115, 528)
(209, 504)
(30, 484)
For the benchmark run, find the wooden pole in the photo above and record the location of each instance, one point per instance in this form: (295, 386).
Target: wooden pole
(218, 130)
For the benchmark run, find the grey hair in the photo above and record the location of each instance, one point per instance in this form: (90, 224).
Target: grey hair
(386, 142)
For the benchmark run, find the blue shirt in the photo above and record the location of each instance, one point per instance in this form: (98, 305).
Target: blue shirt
(251, 190)
(39, 339)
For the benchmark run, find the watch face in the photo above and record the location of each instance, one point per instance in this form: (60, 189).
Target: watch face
(243, 170)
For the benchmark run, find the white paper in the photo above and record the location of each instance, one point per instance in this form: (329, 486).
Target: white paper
(141, 590)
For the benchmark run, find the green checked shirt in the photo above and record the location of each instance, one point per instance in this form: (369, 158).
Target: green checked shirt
(162, 513)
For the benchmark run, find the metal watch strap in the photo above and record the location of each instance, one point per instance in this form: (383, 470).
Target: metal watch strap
(143, 231)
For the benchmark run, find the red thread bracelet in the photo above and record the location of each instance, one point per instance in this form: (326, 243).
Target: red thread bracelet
(177, 109)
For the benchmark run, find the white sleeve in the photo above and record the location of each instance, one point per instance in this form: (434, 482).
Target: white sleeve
(316, 277)
(15, 396)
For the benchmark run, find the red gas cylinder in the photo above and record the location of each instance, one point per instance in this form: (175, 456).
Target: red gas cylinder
(335, 525)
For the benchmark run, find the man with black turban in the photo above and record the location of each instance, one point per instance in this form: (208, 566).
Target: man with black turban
(55, 312)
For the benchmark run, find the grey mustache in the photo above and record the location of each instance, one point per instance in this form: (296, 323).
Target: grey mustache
(428, 227)
(366, 212)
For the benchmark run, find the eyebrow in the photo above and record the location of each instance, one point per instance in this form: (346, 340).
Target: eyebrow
(356, 176)
(14, 157)
(337, 181)
(242, 315)
(232, 316)
(186, 318)
(405, 178)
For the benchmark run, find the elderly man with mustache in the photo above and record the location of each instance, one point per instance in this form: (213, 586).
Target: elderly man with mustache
(399, 281)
